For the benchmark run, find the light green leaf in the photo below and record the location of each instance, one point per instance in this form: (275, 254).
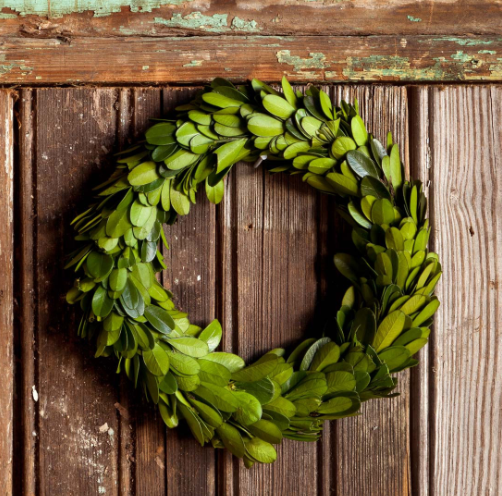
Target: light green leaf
(278, 106)
(232, 440)
(390, 328)
(156, 361)
(264, 125)
(179, 201)
(343, 185)
(159, 319)
(212, 335)
(102, 304)
(261, 451)
(266, 430)
(359, 132)
(229, 360)
(257, 370)
(342, 145)
(161, 133)
(190, 346)
(228, 153)
(143, 174)
(249, 410)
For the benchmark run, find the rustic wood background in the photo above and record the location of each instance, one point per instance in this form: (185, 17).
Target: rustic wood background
(261, 261)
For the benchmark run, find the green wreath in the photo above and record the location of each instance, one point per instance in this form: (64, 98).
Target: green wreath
(384, 317)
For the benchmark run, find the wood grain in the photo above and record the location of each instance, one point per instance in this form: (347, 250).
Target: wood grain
(75, 131)
(466, 191)
(195, 60)
(374, 447)
(191, 276)
(275, 231)
(420, 162)
(264, 258)
(26, 323)
(6, 290)
(149, 430)
(284, 17)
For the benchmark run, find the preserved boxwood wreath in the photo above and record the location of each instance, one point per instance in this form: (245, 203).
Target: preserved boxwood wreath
(384, 317)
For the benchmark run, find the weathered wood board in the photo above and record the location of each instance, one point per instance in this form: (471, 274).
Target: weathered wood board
(196, 59)
(6, 287)
(126, 18)
(261, 263)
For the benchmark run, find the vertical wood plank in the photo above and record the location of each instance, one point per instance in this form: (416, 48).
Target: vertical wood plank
(6, 290)
(227, 308)
(25, 294)
(76, 393)
(420, 162)
(150, 435)
(191, 276)
(372, 451)
(276, 283)
(467, 200)
(125, 406)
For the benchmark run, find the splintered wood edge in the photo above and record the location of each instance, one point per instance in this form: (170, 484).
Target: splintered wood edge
(196, 59)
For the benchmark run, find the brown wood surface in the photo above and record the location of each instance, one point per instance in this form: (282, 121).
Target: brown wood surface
(466, 391)
(264, 258)
(197, 59)
(375, 447)
(6, 289)
(123, 18)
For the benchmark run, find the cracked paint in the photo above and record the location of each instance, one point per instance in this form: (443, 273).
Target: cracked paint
(193, 63)
(381, 66)
(316, 61)
(60, 8)
(242, 25)
(464, 41)
(216, 23)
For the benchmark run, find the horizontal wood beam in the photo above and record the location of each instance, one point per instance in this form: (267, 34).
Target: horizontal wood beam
(183, 60)
(258, 17)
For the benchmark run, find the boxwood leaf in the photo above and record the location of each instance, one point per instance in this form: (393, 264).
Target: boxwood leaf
(389, 329)
(257, 370)
(261, 451)
(266, 430)
(156, 361)
(190, 346)
(212, 335)
(159, 319)
(143, 174)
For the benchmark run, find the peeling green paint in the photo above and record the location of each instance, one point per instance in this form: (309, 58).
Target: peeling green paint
(316, 61)
(193, 63)
(414, 19)
(331, 75)
(216, 23)
(242, 25)
(461, 56)
(58, 8)
(3, 15)
(490, 52)
(146, 67)
(465, 41)
(379, 66)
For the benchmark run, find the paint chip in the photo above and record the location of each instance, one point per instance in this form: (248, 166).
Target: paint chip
(34, 393)
(104, 427)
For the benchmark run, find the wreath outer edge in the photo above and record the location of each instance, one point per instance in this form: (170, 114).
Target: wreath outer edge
(385, 314)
